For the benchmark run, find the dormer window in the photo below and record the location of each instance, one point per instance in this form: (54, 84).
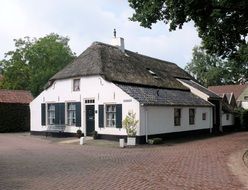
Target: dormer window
(152, 73)
(76, 84)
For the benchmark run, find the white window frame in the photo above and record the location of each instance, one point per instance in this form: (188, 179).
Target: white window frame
(50, 114)
(70, 117)
(111, 112)
(74, 83)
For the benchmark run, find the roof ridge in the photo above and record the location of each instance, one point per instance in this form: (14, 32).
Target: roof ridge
(109, 45)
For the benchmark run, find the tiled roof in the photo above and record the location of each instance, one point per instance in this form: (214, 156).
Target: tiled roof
(200, 88)
(15, 96)
(235, 89)
(158, 96)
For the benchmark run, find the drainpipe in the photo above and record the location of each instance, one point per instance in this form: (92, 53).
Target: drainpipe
(146, 122)
(146, 126)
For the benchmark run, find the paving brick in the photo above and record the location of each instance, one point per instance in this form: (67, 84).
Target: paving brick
(28, 162)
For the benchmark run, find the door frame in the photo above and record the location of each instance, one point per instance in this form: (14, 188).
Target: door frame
(86, 102)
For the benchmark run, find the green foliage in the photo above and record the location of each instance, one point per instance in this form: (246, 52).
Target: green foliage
(129, 123)
(14, 118)
(241, 118)
(211, 70)
(34, 62)
(155, 141)
(222, 24)
(79, 133)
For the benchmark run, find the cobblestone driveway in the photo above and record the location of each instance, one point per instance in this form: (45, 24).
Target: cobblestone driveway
(28, 162)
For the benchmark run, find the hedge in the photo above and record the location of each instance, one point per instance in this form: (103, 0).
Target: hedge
(241, 118)
(14, 117)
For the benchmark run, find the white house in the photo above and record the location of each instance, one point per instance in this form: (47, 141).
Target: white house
(98, 89)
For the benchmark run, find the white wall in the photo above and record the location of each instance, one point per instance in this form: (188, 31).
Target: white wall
(161, 119)
(93, 87)
(244, 104)
(228, 122)
(195, 91)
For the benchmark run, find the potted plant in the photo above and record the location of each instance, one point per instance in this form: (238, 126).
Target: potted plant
(129, 123)
(79, 133)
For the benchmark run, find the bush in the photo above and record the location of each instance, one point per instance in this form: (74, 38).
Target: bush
(79, 133)
(94, 134)
(155, 141)
(241, 118)
(14, 117)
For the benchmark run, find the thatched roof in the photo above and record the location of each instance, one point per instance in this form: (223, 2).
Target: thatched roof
(129, 68)
(158, 96)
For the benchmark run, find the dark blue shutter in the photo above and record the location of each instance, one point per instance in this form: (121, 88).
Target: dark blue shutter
(101, 116)
(62, 113)
(119, 116)
(78, 114)
(57, 114)
(43, 114)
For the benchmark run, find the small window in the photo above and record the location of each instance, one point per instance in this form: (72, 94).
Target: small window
(245, 97)
(89, 101)
(204, 116)
(153, 73)
(71, 114)
(227, 116)
(177, 117)
(51, 114)
(110, 115)
(76, 84)
(191, 116)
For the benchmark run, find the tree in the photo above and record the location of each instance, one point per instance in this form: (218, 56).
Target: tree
(207, 69)
(222, 25)
(211, 70)
(34, 61)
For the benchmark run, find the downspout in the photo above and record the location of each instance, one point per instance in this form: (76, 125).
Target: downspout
(146, 124)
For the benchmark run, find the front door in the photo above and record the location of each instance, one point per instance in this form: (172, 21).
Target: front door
(90, 119)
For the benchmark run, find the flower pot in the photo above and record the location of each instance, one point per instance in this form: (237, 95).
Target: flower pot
(131, 141)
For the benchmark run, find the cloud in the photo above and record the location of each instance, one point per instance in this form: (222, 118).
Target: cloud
(87, 21)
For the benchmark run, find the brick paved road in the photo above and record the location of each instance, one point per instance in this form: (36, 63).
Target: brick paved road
(37, 163)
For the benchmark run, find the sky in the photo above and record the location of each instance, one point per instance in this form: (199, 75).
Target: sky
(87, 21)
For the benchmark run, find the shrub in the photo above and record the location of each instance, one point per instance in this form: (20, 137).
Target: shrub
(94, 134)
(14, 117)
(129, 123)
(241, 118)
(79, 133)
(155, 141)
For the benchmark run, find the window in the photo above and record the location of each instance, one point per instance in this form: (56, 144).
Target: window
(89, 101)
(153, 73)
(110, 115)
(71, 113)
(51, 114)
(245, 97)
(227, 116)
(76, 84)
(177, 117)
(204, 116)
(191, 116)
